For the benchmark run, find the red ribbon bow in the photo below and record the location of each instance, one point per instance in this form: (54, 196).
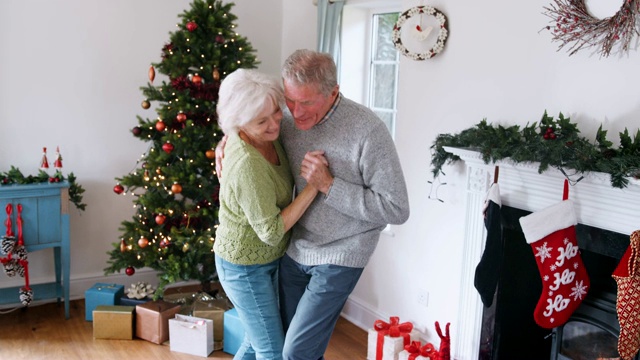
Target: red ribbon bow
(393, 329)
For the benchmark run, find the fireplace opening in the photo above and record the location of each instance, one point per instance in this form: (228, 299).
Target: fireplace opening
(508, 328)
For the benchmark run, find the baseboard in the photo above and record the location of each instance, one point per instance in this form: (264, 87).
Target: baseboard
(360, 314)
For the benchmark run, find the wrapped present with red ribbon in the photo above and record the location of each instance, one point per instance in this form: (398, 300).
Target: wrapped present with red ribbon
(417, 351)
(387, 339)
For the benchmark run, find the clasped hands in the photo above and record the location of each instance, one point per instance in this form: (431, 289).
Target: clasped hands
(314, 168)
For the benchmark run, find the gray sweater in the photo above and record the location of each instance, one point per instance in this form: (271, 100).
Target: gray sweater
(368, 191)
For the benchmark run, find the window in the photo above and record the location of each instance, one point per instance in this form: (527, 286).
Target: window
(369, 61)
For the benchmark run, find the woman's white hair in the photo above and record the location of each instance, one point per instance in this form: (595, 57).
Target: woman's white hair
(243, 95)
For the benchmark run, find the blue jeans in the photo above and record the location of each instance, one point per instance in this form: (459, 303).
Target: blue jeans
(253, 290)
(311, 299)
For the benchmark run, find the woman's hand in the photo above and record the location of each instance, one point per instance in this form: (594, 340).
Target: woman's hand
(220, 155)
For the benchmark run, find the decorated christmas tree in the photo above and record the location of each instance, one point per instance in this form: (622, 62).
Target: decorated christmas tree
(173, 185)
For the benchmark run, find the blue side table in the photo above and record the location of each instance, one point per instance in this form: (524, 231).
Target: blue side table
(45, 215)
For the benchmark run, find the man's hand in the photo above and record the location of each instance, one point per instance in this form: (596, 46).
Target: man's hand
(220, 155)
(315, 169)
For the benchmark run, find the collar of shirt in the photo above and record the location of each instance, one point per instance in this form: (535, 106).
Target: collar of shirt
(332, 110)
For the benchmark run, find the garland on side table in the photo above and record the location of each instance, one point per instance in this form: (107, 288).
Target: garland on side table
(15, 176)
(551, 142)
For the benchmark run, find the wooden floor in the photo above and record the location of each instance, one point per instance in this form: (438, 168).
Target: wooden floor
(41, 332)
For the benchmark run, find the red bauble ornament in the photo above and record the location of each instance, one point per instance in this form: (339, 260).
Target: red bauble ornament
(167, 147)
(164, 243)
(210, 154)
(220, 39)
(118, 189)
(176, 188)
(191, 26)
(160, 126)
(196, 79)
(143, 242)
(130, 270)
(181, 117)
(152, 73)
(136, 131)
(160, 219)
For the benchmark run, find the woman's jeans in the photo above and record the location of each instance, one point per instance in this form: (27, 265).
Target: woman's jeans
(253, 290)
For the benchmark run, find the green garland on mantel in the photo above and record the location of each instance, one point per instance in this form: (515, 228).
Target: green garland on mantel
(551, 142)
(15, 176)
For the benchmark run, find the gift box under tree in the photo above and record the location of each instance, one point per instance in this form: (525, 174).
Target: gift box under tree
(138, 293)
(387, 340)
(191, 335)
(113, 322)
(233, 332)
(152, 320)
(101, 294)
(212, 308)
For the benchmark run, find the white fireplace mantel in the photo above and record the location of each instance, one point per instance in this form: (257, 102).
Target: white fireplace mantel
(596, 202)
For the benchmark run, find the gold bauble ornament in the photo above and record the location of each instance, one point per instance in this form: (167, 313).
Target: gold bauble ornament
(210, 154)
(216, 74)
(146, 104)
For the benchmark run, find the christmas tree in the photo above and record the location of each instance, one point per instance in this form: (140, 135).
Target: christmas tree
(174, 186)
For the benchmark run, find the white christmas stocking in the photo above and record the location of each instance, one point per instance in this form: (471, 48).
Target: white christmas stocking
(552, 235)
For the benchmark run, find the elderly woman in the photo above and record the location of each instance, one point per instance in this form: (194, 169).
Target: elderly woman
(256, 207)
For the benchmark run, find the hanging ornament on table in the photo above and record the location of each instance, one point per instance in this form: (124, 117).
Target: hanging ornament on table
(8, 240)
(130, 270)
(118, 189)
(160, 125)
(26, 295)
(145, 104)
(57, 164)
(216, 74)
(44, 164)
(192, 26)
(167, 147)
(152, 73)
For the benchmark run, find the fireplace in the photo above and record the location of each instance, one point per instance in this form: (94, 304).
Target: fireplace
(599, 207)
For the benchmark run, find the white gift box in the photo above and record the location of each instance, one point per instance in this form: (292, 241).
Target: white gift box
(191, 335)
(391, 347)
(404, 355)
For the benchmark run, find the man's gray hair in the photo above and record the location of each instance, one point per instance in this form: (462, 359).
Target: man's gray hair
(308, 67)
(243, 95)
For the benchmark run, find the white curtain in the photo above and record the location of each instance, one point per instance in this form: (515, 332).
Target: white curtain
(329, 24)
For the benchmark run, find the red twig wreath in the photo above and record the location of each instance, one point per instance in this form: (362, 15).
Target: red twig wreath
(577, 29)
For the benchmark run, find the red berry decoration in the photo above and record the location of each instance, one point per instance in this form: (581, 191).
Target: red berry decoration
(191, 26)
(181, 117)
(167, 147)
(130, 270)
(118, 189)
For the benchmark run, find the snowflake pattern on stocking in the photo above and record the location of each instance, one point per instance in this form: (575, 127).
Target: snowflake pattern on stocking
(543, 252)
(579, 291)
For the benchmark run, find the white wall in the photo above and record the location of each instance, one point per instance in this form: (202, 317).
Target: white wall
(70, 73)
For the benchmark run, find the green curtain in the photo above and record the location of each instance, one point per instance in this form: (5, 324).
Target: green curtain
(329, 24)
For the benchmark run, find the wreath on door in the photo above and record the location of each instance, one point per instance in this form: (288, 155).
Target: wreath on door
(574, 27)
